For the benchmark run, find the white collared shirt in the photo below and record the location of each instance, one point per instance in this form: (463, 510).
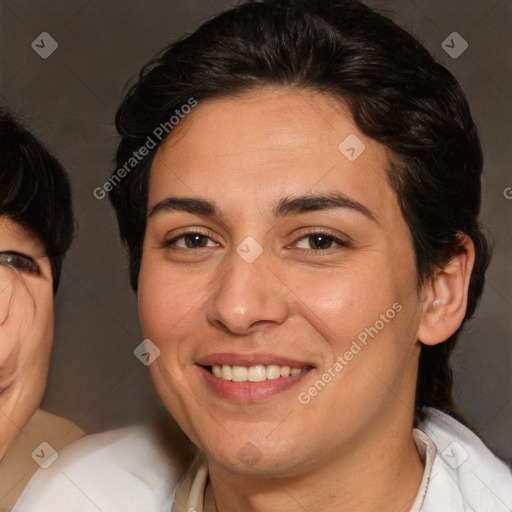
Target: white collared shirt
(126, 470)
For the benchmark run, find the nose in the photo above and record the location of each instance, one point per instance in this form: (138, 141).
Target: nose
(247, 295)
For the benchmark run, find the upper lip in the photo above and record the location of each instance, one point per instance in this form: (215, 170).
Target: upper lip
(249, 360)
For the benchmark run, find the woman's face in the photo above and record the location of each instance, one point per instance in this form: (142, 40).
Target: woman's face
(26, 328)
(275, 244)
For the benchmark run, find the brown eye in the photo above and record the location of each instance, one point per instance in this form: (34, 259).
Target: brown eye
(19, 261)
(192, 240)
(195, 240)
(320, 241)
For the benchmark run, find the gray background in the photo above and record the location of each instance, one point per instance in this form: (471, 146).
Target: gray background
(69, 101)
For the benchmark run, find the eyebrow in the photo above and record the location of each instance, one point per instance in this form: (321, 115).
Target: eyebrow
(185, 204)
(312, 203)
(286, 206)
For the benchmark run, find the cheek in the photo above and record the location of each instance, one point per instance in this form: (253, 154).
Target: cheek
(9, 355)
(341, 303)
(29, 330)
(152, 297)
(165, 300)
(39, 332)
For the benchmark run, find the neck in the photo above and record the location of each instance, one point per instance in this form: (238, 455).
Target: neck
(382, 471)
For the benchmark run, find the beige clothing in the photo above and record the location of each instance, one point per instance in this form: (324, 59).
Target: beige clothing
(18, 466)
(194, 494)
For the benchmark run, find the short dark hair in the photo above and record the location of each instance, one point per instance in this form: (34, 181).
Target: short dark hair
(35, 191)
(397, 94)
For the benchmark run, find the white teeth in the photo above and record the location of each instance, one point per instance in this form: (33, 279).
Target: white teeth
(257, 373)
(239, 373)
(274, 372)
(226, 372)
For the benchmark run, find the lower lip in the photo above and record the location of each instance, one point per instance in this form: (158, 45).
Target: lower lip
(250, 392)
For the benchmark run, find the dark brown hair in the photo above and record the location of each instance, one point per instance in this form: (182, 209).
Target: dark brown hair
(397, 93)
(35, 191)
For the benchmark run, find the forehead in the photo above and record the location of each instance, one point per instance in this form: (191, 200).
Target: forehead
(13, 236)
(271, 143)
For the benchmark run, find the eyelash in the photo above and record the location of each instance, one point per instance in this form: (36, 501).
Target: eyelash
(169, 243)
(18, 261)
(332, 238)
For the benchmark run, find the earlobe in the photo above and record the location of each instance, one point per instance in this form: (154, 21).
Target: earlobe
(446, 295)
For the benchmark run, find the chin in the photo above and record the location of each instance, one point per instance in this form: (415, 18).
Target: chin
(254, 454)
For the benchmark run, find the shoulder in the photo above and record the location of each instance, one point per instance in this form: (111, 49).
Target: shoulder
(121, 470)
(56, 430)
(19, 464)
(465, 475)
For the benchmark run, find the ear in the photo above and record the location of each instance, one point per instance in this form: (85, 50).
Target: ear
(445, 296)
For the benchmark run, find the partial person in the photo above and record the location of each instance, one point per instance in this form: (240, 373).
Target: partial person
(298, 186)
(36, 229)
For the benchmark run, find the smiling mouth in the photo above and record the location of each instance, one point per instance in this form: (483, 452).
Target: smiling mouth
(257, 373)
